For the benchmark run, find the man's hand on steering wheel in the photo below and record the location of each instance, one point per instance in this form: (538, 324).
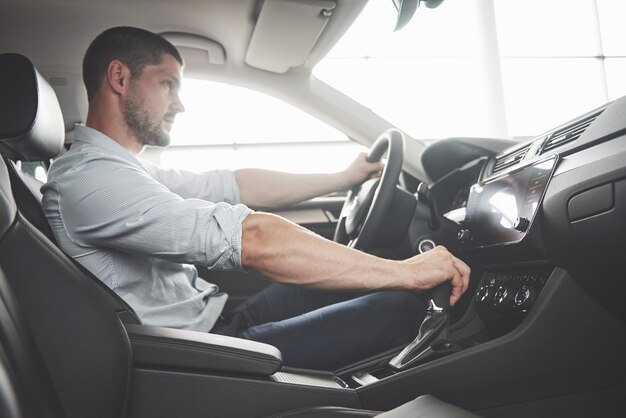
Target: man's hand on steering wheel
(367, 204)
(361, 170)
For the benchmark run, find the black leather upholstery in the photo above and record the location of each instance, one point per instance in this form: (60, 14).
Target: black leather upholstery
(25, 386)
(76, 328)
(74, 318)
(179, 349)
(31, 129)
(31, 122)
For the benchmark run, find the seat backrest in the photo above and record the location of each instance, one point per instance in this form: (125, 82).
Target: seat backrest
(81, 338)
(25, 386)
(73, 317)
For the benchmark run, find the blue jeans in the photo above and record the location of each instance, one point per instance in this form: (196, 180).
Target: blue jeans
(325, 330)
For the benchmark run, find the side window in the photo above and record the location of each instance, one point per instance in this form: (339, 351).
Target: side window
(35, 169)
(225, 126)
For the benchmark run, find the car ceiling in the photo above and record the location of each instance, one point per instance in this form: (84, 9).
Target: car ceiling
(39, 28)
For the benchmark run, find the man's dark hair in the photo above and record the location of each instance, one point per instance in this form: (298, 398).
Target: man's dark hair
(135, 47)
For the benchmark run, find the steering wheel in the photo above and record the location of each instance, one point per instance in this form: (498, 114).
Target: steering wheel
(367, 204)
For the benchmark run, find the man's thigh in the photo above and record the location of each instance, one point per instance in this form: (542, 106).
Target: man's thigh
(275, 303)
(279, 301)
(347, 331)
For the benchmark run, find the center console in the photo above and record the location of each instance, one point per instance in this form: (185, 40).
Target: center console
(500, 216)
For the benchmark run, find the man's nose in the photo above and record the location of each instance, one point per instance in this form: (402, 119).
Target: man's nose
(177, 105)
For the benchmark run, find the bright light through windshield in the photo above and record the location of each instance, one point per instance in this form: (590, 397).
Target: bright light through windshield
(467, 69)
(218, 113)
(226, 126)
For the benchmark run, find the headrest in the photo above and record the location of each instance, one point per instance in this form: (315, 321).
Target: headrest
(31, 122)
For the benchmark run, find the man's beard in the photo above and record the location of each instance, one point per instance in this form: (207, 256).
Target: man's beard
(142, 126)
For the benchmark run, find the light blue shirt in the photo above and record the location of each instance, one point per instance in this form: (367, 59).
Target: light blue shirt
(141, 229)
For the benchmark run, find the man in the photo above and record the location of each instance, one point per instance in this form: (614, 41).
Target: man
(141, 229)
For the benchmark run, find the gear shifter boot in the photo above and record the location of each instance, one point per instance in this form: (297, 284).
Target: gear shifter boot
(434, 329)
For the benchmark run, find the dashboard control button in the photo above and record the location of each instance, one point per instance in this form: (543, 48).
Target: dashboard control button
(426, 245)
(464, 235)
(521, 224)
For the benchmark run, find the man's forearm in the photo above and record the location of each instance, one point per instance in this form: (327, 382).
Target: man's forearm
(272, 189)
(287, 253)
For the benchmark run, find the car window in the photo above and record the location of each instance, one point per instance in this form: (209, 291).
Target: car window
(227, 126)
(36, 169)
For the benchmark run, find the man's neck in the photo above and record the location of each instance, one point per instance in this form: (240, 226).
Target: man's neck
(113, 126)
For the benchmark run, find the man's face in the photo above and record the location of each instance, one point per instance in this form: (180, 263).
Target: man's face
(153, 102)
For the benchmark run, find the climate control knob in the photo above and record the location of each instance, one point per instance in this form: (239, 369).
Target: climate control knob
(524, 297)
(500, 295)
(483, 294)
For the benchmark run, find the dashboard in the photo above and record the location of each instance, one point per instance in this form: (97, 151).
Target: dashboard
(520, 209)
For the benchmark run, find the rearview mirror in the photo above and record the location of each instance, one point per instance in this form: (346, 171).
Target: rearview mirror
(406, 9)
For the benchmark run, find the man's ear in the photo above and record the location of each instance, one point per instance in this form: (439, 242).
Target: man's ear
(118, 76)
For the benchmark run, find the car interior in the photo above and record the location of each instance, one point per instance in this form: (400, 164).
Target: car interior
(540, 220)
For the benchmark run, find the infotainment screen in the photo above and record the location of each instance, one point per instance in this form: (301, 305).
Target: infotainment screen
(501, 211)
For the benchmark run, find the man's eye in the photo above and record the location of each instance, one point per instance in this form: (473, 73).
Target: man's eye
(168, 84)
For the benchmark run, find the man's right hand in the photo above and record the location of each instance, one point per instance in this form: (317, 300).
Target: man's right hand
(436, 266)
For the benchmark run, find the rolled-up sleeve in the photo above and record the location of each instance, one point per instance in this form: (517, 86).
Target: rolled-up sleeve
(110, 203)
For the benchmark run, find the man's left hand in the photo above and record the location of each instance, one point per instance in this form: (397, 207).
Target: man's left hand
(360, 170)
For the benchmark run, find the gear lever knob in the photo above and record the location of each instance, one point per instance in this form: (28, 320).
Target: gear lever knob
(439, 296)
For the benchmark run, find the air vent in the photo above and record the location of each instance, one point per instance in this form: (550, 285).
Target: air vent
(569, 133)
(508, 160)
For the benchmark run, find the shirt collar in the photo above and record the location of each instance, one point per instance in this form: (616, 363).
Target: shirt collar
(86, 135)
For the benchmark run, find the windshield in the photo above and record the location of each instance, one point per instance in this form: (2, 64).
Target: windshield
(482, 68)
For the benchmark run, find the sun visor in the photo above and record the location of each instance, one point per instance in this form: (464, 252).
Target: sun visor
(286, 32)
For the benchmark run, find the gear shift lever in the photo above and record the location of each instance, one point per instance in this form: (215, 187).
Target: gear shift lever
(434, 329)
(425, 196)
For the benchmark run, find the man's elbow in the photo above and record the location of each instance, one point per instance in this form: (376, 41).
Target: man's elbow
(256, 238)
